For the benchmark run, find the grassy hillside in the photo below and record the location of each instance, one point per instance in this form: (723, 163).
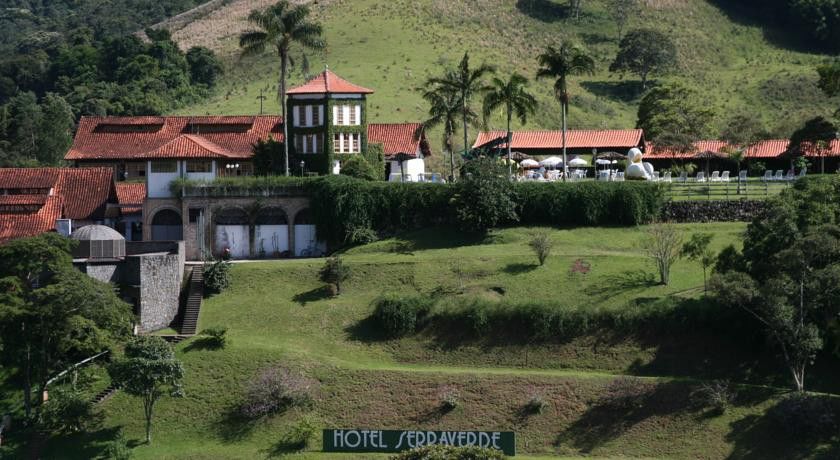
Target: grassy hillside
(392, 46)
(276, 313)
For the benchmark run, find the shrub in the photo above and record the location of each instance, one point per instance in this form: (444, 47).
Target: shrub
(215, 336)
(68, 411)
(299, 434)
(802, 415)
(485, 198)
(662, 245)
(276, 389)
(400, 315)
(358, 167)
(335, 272)
(717, 395)
(216, 276)
(625, 393)
(541, 244)
(450, 453)
(535, 404)
(118, 449)
(450, 398)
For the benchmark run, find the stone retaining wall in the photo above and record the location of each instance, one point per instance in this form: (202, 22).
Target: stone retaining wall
(712, 211)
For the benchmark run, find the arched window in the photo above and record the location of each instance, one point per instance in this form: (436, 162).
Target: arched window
(167, 226)
(231, 216)
(303, 217)
(272, 215)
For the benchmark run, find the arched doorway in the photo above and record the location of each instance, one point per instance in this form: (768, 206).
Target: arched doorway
(167, 226)
(271, 235)
(232, 232)
(306, 243)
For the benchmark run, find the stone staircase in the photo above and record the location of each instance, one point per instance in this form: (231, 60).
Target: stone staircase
(193, 307)
(103, 395)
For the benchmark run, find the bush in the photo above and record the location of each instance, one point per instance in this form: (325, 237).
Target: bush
(450, 398)
(541, 245)
(68, 411)
(276, 389)
(450, 453)
(485, 198)
(299, 434)
(118, 449)
(400, 315)
(535, 404)
(215, 336)
(335, 272)
(802, 415)
(717, 395)
(358, 167)
(216, 276)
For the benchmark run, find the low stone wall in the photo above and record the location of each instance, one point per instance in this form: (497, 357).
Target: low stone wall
(712, 211)
(144, 247)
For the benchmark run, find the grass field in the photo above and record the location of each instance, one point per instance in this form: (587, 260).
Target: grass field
(393, 46)
(276, 312)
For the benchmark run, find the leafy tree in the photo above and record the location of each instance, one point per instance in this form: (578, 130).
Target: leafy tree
(56, 130)
(561, 63)
(697, 248)
(24, 119)
(205, 67)
(662, 246)
(484, 199)
(815, 136)
(279, 27)
(335, 272)
(149, 370)
(621, 12)
(465, 82)
(643, 52)
(818, 18)
(741, 131)
(674, 115)
(515, 98)
(268, 157)
(830, 80)
(444, 108)
(51, 314)
(356, 166)
(575, 8)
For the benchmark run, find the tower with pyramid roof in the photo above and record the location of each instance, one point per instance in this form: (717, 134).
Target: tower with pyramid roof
(327, 122)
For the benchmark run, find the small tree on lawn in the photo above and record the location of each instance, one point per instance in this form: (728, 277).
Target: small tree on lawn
(643, 52)
(697, 248)
(335, 272)
(484, 197)
(148, 370)
(541, 244)
(662, 245)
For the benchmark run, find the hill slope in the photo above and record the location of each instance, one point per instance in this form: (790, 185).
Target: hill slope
(394, 45)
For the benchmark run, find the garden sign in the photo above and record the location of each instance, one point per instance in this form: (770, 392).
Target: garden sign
(390, 441)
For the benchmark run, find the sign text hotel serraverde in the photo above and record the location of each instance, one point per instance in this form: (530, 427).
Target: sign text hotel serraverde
(390, 441)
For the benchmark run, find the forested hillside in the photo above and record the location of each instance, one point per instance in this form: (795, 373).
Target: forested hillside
(63, 59)
(739, 57)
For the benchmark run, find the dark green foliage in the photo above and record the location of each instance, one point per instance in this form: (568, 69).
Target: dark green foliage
(268, 158)
(335, 272)
(216, 276)
(400, 315)
(541, 245)
(645, 51)
(357, 166)
(450, 453)
(729, 259)
(215, 336)
(118, 449)
(205, 68)
(674, 115)
(68, 411)
(815, 136)
(484, 198)
(375, 157)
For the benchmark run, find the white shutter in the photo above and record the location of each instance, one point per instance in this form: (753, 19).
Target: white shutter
(320, 115)
(308, 121)
(314, 144)
(346, 110)
(296, 116)
(358, 114)
(335, 114)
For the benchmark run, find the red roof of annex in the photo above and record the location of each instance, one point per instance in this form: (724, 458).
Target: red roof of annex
(575, 138)
(398, 138)
(130, 196)
(327, 82)
(178, 137)
(772, 148)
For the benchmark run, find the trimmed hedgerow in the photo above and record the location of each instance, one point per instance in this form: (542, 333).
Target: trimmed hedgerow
(399, 315)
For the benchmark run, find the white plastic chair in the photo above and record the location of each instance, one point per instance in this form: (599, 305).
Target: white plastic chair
(683, 177)
(802, 172)
(768, 175)
(790, 175)
(619, 176)
(701, 177)
(742, 176)
(724, 176)
(780, 175)
(667, 177)
(656, 176)
(715, 176)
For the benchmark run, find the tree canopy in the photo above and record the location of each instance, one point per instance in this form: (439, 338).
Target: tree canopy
(645, 52)
(674, 115)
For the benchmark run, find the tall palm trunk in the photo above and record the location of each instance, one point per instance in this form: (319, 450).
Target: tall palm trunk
(565, 163)
(464, 102)
(282, 96)
(451, 148)
(509, 139)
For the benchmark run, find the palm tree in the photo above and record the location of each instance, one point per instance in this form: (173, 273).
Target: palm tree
(560, 64)
(515, 98)
(465, 82)
(280, 26)
(445, 107)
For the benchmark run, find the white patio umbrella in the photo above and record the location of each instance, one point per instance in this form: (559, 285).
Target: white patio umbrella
(601, 161)
(551, 162)
(529, 163)
(578, 161)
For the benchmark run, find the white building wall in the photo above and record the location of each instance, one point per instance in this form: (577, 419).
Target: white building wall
(157, 184)
(233, 237)
(304, 238)
(414, 169)
(272, 238)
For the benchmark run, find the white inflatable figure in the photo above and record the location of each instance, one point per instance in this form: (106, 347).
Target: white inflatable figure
(635, 168)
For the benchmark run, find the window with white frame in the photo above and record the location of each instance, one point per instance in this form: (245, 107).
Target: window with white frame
(307, 143)
(306, 116)
(347, 115)
(346, 142)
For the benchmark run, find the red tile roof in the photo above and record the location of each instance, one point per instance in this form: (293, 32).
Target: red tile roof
(575, 138)
(398, 138)
(772, 148)
(131, 193)
(71, 193)
(328, 83)
(128, 138)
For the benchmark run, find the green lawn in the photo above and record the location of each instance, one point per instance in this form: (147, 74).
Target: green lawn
(275, 313)
(393, 46)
